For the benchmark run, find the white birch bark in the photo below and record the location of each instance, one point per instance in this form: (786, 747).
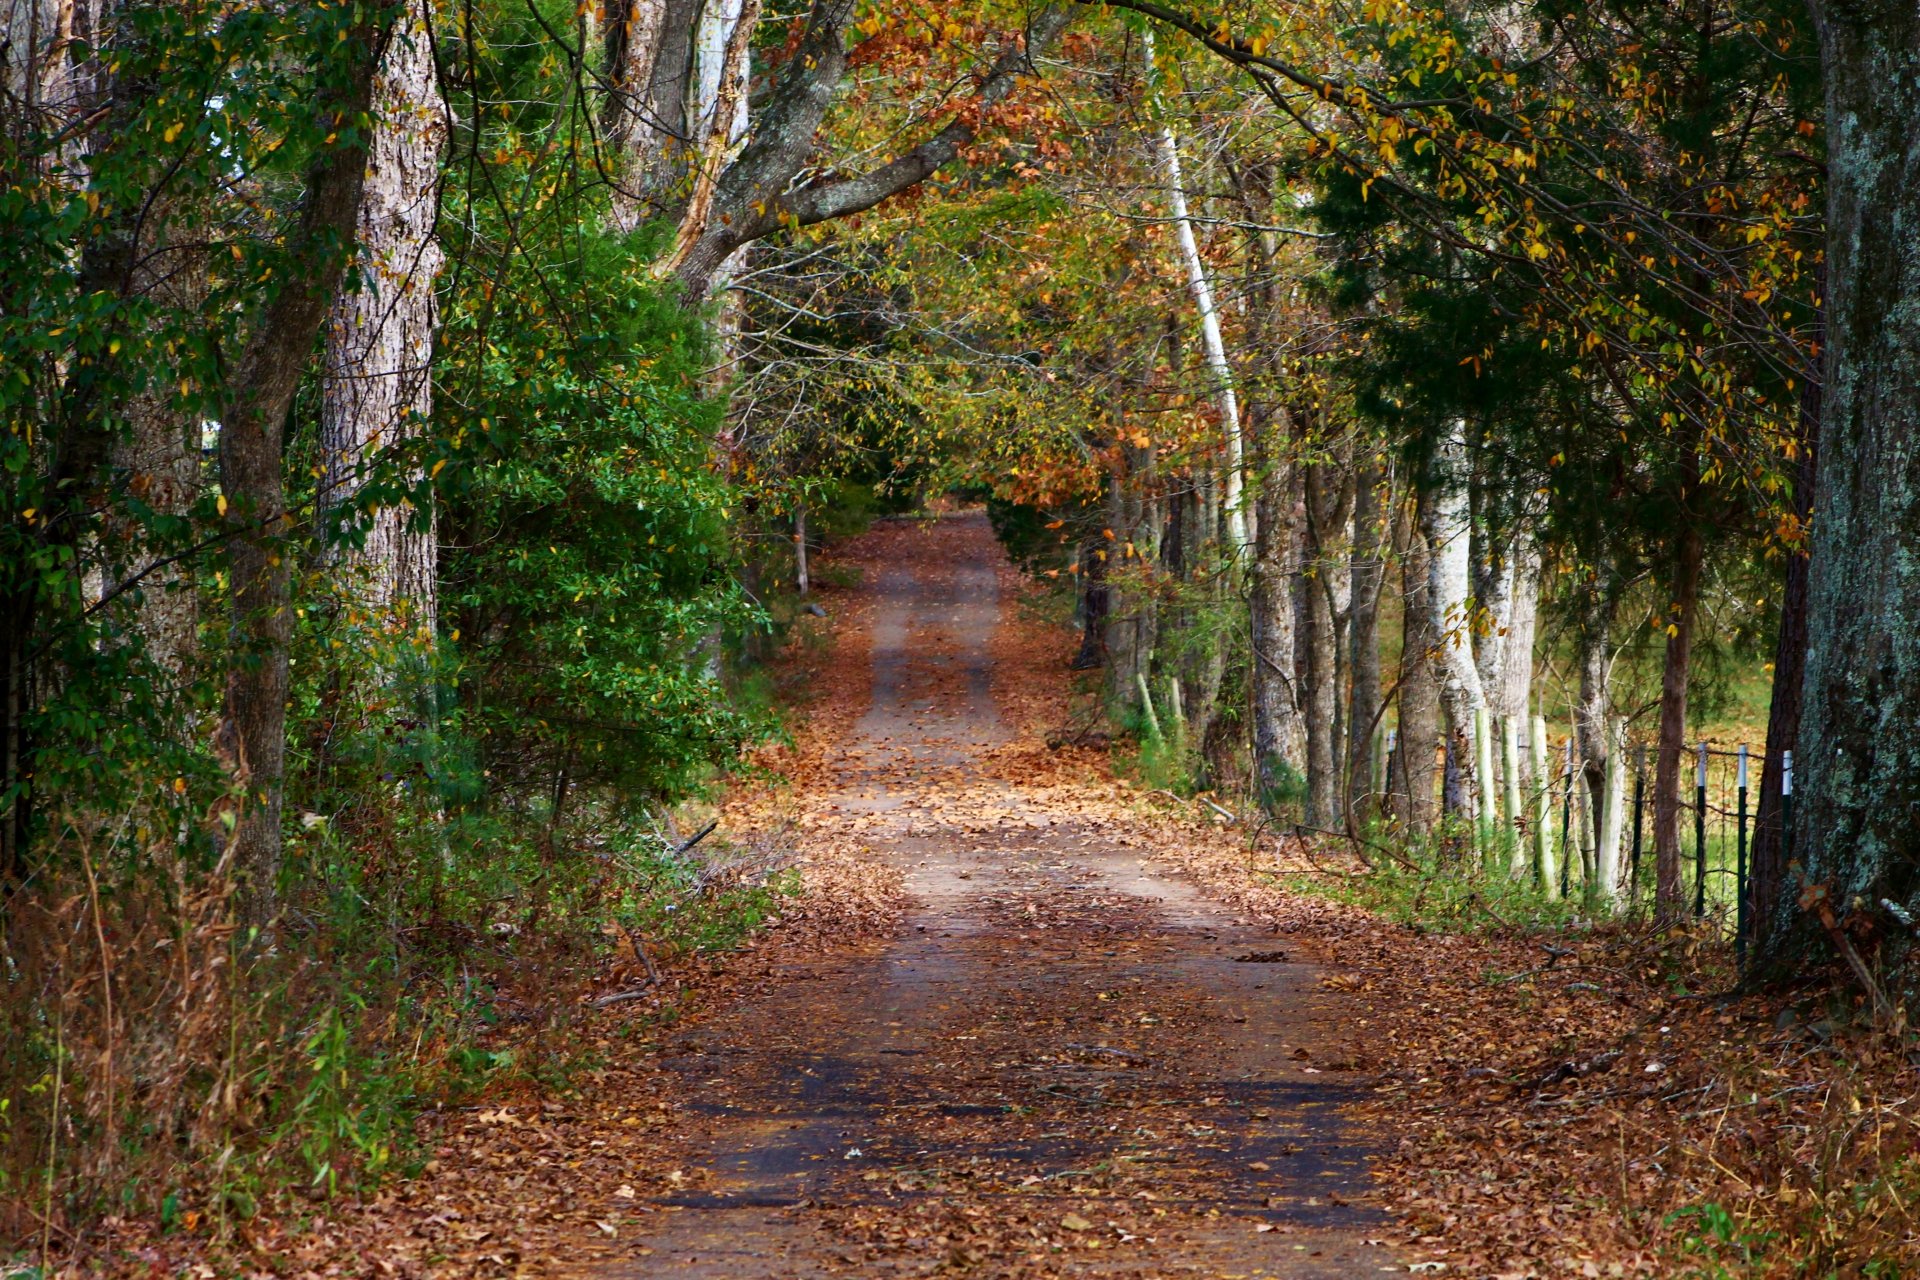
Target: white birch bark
(1494, 606)
(632, 132)
(1510, 775)
(1612, 816)
(1213, 346)
(1445, 520)
(377, 385)
(1544, 864)
(717, 122)
(1516, 686)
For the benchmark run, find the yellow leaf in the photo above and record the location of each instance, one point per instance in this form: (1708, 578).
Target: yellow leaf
(221, 503)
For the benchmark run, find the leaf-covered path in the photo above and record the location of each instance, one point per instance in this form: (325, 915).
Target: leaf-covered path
(1058, 1061)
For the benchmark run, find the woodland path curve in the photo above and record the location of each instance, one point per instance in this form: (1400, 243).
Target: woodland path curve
(1063, 1063)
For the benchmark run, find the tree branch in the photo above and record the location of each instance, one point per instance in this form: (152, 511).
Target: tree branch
(753, 200)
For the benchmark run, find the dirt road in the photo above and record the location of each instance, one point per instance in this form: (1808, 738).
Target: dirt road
(1063, 1063)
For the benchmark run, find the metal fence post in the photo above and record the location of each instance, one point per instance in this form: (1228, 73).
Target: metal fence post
(1700, 835)
(1639, 800)
(1740, 866)
(1566, 819)
(1786, 805)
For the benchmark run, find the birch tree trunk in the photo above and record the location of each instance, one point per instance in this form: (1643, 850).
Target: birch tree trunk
(1213, 347)
(717, 122)
(377, 386)
(629, 118)
(1514, 695)
(1612, 816)
(1445, 521)
(1493, 570)
(1594, 708)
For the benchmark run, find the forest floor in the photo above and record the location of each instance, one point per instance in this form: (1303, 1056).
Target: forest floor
(1027, 1020)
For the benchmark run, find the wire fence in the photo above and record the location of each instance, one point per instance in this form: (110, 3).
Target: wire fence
(1717, 820)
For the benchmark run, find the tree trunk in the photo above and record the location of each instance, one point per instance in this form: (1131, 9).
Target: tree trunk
(376, 393)
(1370, 502)
(1329, 512)
(1444, 519)
(252, 735)
(1514, 696)
(802, 577)
(1278, 735)
(1857, 781)
(1094, 608)
(1493, 574)
(1612, 817)
(1671, 750)
(717, 120)
(1132, 618)
(1213, 347)
(629, 117)
(1594, 709)
(1416, 756)
(160, 457)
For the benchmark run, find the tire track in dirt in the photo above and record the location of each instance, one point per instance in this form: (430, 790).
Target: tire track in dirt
(1065, 1063)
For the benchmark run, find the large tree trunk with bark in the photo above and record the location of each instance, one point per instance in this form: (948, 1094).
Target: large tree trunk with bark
(1444, 519)
(1857, 780)
(1278, 734)
(642, 36)
(376, 391)
(1371, 502)
(1416, 754)
(260, 558)
(1513, 697)
(1329, 512)
(160, 458)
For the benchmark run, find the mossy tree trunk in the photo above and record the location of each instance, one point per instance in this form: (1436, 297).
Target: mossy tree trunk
(1858, 761)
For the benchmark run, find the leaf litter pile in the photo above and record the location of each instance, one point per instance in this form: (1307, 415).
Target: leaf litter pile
(1024, 1019)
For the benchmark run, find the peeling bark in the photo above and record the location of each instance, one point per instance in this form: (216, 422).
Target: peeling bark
(631, 115)
(1444, 519)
